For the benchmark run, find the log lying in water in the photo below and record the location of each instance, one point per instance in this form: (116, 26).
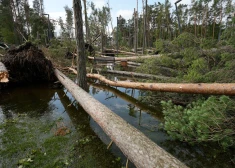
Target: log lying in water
(200, 88)
(3, 74)
(134, 144)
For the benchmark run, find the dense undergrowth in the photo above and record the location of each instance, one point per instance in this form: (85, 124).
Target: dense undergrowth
(195, 118)
(191, 59)
(210, 120)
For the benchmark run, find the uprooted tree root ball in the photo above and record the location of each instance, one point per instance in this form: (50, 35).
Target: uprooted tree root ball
(27, 64)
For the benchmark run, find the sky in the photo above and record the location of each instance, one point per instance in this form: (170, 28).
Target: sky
(125, 8)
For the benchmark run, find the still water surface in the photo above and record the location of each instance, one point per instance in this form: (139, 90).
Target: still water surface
(46, 104)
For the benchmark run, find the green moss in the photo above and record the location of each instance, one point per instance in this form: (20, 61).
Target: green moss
(30, 139)
(31, 142)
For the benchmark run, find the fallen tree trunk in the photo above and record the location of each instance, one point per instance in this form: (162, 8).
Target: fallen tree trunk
(120, 52)
(110, 54)
(3, 74)
(134, 144)
(132, 74)
(193, 88)
(129, 58)
(200, 88)
(133, 63)
(125, 73)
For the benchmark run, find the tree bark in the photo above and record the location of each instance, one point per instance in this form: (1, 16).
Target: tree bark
(199, 88)
(81, 58)
(134, 144)
(3, 74)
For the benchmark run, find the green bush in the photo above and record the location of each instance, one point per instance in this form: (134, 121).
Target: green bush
(197, 70)
(149, 66)
(189, 54)
(222, 75)
(159, 66)
(227, 56)
(207, 43)
(56, 44)
(165, 46)
(167, 61)
(159, 45)
(228, 36)
(210, 120)
(186, 40)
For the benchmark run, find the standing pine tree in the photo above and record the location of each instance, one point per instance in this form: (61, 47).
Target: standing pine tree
(69, 21)
(81, 58)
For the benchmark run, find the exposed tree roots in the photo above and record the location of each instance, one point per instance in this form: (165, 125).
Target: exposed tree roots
(27, 64)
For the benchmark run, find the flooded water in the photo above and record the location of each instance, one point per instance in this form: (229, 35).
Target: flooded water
(43, 127)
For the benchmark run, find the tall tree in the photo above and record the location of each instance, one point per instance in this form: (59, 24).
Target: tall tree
(81, 58)
(135, 31)
(37, 6)
(7, 28)
(144, 26)
(27, 15)
(86, 23)
(137, 22)
(69, 21)
(62, 28)
(41, 7)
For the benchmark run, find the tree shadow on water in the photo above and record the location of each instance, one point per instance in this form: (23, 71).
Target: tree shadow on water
(89, 150)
